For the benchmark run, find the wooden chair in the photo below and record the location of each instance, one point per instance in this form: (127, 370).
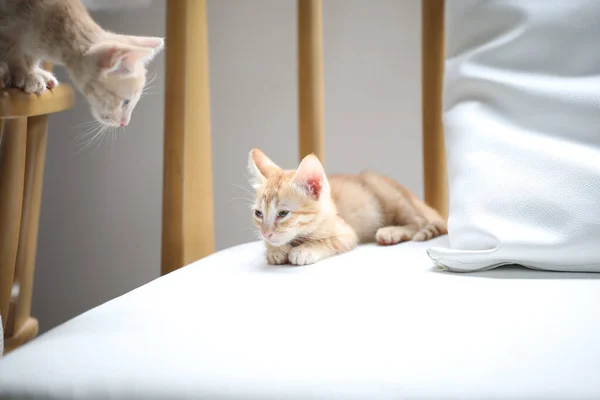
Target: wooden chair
(188, 227)
(23, 135)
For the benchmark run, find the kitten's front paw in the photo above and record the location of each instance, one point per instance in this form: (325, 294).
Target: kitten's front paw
(35, 81)
(303, 256)
(393, 234)
(49, 78)
(278, 255)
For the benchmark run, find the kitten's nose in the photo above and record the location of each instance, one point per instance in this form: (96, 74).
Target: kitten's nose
(268, 235)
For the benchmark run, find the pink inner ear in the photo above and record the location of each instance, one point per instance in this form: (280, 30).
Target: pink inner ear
(122, 60)
(314, 186)
(108, 58)
(310, 176)
(131, 58)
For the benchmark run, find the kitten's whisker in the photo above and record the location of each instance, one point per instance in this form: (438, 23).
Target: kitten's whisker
(248, 206)
(245, 189)
(249, 178)
(90, 129)
(93, 134)
(114, 137)
(85, 137)
(101, 137)
(87, 123)
(147, 86)
(153, 78)
(93, 124)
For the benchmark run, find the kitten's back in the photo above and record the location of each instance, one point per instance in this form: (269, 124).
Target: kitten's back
(43, 27)
(357, 205)
(369, 201)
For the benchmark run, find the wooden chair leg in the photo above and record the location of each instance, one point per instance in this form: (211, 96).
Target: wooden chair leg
(12, 177)
(188, 226)
(434, 151)
(310, 78)
(37, 134)
(26, 332)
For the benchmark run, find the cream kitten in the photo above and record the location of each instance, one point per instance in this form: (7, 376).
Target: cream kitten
(304, 216)
(109, 69)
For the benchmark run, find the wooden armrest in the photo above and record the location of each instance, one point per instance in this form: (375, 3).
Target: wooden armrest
(16, 103)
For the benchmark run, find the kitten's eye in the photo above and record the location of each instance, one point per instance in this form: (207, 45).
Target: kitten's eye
(125, 102)
(257, 214)
(282, 214)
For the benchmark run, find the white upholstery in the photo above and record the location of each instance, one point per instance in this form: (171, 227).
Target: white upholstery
(375, 323)
(522, 126)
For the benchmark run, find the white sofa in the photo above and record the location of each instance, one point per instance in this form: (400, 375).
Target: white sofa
(377, 322)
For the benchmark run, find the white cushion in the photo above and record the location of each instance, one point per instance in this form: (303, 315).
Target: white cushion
(374, 323)
(522, 129)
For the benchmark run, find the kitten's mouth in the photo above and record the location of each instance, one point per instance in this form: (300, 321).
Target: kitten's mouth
(110, 123)
(274, 240)
(105, 120)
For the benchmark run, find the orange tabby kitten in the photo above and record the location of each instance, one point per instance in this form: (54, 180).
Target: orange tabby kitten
(109, 69)
(305, 216)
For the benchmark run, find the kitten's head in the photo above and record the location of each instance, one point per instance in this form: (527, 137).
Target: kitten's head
(289, 204)
(113, 75)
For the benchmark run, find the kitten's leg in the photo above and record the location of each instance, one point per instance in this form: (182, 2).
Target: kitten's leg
(419, 233)
(278, 255)
(49, 78)
(339, 241)
(389, 235)
(27, 74)
(311, 252)
(413, 219)
(431, 230)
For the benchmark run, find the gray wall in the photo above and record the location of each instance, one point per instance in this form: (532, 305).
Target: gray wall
(101, 212)
(100, 222)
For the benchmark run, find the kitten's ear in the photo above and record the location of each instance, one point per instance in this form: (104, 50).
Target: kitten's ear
(260, 167)
(119, 58)
(311, 177)
(154, 43)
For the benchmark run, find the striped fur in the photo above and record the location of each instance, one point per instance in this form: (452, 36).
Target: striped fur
(305, 216)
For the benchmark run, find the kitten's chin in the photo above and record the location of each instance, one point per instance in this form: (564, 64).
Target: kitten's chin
(104, 121)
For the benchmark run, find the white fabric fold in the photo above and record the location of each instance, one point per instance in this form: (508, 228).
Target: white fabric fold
(522, 131)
